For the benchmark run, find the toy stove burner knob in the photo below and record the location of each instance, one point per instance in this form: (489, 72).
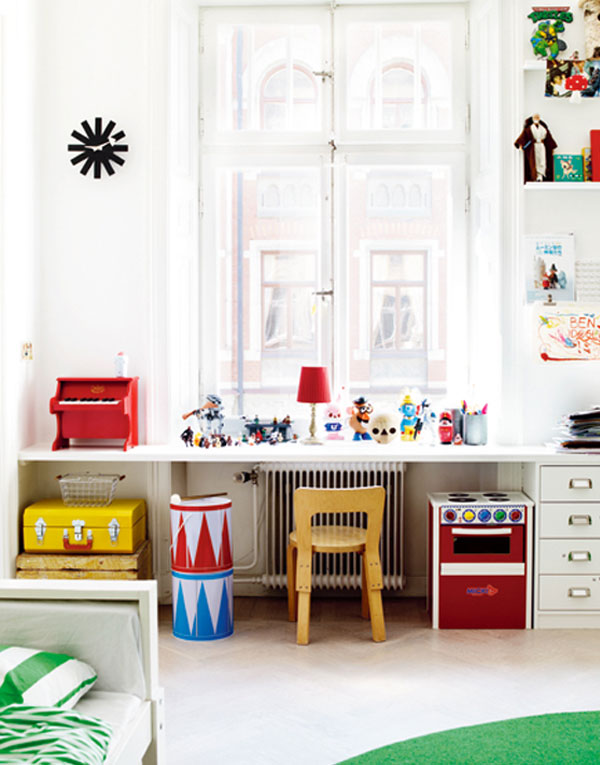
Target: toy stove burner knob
(468, 516)
(500, 516)
(484, 516)
(515, 515)
(449, 516)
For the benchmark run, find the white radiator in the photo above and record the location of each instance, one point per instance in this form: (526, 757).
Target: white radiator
(341, 571)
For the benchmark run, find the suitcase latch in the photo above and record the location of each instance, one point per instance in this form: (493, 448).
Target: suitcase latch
(40, 529)
(78, 526)
(113, 530)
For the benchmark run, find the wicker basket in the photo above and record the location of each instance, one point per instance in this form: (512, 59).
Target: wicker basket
(88, 489)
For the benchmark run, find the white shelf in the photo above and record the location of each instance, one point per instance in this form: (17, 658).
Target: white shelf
(347, 451)
(562, 186)
(534, 64)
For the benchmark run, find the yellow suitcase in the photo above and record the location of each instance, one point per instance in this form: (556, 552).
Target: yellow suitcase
(52, 526)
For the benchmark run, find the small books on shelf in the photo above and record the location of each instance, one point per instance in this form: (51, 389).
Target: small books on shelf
(568, 167)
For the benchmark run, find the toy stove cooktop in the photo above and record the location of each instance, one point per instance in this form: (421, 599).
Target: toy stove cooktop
(488, 507)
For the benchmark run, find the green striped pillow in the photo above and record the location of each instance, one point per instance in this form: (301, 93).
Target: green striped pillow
(42, 679)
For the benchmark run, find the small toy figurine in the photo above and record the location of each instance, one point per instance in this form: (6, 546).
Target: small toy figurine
(538, 146)
(409, 421)
(545, 40)
(458, 440)
(188, 436)
(333, 426)
(210, 414)
(384, 427)
(360, 413)
(445, 428)
(426, 427)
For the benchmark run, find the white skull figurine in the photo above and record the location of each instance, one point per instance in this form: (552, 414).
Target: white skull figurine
(384, 427)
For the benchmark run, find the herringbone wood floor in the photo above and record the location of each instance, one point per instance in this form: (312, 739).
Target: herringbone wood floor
(258, 698)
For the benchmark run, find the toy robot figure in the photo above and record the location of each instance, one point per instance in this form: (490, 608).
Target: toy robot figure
(445, 428)
(408, 424)
(427, 424)
(209, 414)
(360, 414)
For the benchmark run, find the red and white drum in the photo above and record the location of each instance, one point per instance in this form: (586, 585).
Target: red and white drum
(201, 534)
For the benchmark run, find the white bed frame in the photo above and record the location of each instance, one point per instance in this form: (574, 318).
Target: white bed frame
(143, 741)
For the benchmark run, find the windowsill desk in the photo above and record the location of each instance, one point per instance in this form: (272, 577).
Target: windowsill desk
(565, 489)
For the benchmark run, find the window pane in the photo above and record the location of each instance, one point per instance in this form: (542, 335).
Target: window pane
(269, 233)
(399, 76)
(265, 77)
(397, 328)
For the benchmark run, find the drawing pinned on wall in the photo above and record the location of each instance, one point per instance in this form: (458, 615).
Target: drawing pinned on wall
(550, 267)
(569, 333)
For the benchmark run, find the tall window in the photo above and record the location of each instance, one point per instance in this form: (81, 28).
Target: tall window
(333, 161)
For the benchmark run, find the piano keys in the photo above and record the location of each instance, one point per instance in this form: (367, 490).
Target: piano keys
(98, 408)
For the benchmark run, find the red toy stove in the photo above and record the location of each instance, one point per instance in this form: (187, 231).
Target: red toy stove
(480, 560)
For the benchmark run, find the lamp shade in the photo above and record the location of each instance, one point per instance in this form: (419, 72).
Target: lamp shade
(313, 387)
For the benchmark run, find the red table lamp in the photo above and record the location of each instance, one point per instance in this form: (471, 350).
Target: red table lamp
(313, 389)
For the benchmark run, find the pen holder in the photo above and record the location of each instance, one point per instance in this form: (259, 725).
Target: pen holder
(476, 429)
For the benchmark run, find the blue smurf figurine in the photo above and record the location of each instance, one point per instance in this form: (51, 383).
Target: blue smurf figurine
(408, 424)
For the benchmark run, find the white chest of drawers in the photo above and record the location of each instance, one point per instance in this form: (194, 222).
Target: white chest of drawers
(567, 560)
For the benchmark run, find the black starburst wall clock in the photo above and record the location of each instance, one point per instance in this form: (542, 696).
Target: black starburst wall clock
(99, 147)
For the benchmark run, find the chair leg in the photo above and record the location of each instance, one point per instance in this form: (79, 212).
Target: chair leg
(373, 577)
(303, 618)
(364, 598)
(292, 556)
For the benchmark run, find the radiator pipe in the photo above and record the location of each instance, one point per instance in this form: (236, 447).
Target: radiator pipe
(253, 478)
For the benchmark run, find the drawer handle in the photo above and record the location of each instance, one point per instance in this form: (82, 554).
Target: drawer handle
(580, 483)
(580, 520)
(577, 555)
(579, 592)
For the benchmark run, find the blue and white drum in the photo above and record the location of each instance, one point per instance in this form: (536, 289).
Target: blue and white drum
(202, 605)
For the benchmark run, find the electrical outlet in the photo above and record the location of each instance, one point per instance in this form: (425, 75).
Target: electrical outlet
(27, 351)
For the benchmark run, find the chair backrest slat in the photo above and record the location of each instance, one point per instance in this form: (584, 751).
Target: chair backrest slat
(309, 502)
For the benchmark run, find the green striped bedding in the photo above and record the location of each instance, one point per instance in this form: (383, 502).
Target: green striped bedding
(50, 736)
(40, 678)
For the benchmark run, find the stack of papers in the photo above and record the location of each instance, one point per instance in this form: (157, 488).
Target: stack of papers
(580, 431)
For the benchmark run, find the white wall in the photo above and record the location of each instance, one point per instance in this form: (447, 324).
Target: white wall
(100, 241)
(18, 287)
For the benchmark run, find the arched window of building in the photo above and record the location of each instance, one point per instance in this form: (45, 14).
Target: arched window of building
(282, 105)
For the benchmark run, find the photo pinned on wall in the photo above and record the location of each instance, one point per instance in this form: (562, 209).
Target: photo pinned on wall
(568, 333)
(577, 78)
(550, 267)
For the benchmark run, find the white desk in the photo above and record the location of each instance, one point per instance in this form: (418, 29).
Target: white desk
(157, 471)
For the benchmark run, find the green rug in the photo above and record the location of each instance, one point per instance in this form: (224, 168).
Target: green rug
(558, 739)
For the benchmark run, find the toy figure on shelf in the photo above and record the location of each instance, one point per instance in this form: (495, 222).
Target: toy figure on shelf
(360, 414)
(333, 423)
(551, 22)
(428, 433)
(210, 415)
(538, 146)
(445, 428)
(188, 436)
(409, 422)
(384, 427)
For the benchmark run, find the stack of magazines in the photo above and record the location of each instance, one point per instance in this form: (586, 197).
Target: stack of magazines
(580, 432)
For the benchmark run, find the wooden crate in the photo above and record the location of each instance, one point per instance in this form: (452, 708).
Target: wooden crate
(137, 565)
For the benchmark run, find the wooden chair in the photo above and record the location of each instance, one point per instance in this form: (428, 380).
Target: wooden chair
(307, 539)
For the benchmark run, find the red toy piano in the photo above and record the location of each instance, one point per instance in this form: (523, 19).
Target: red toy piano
(95, 407)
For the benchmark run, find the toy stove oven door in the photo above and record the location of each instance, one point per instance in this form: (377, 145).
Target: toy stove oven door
(482, 582)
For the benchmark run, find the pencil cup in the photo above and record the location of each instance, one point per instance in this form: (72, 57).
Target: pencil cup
(476, 429)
